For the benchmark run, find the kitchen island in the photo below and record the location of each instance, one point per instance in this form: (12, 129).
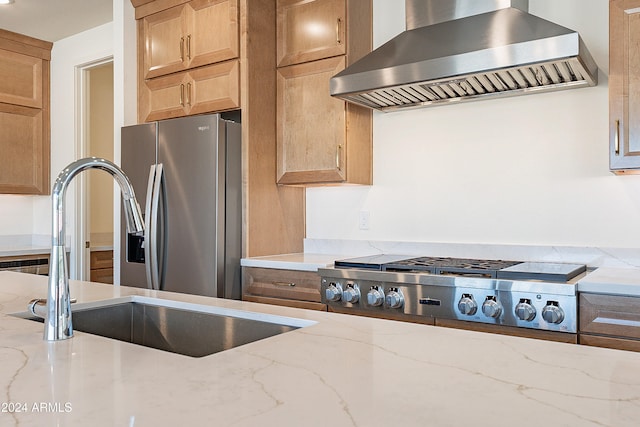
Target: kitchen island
(341, 371)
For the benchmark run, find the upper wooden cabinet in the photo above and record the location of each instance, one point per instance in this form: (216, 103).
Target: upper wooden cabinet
(190, 35)
(24, 114)
(310, 30)
(321, 139)
(188, 58)
(624, 86)
(211, 88)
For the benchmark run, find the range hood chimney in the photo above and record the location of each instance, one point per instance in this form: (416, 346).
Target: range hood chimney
(460, 50)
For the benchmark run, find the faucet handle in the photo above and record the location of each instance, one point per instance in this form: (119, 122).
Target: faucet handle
(38, 307)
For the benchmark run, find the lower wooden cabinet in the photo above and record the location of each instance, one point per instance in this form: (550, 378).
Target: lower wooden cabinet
(291, 288)
(611, 321)
(102, 266)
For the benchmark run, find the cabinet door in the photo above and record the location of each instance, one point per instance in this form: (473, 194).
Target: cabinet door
(310, 30)
(214, 88)
(21, 82)
(165, 43)
(311, 124)
(213, 33)
(165, 97)
(203, 90)
(624, 85)
(25, 152)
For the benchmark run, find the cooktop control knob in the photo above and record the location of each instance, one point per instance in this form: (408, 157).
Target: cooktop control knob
(351, 294)
(525, 311)
(491, 307)
(375, 297)
(552, 313)
(394, 299)
(333, 292)
(467, 305)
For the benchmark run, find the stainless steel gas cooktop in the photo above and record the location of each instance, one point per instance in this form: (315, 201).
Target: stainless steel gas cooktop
(535, 295)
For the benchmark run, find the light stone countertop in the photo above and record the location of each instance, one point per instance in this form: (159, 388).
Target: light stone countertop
(342, 371)
(612, 281)
(295, 261)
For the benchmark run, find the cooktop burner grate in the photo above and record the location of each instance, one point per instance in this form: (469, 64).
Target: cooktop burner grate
(440, 265)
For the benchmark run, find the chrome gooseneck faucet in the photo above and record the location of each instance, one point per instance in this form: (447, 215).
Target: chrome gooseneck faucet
(58, 320)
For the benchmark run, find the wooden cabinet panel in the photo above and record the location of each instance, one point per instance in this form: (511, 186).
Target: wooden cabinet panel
(25, 151)
(609, 342)
(21, 82)
(624, 86)
(284, 284)
(215, 88)
(190, 35)
(212, 88)
(213, 32)
(163, 97)
(321, 140)
(187, 62)
(101, 259)
(613, 315)
(311, 124)
(101, 266)
(610, 321)
(103, 275)
(24, 114)
(307, 305)
(310, 30)
(164, 42)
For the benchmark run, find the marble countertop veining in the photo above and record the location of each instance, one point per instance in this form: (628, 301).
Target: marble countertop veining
(341, 371)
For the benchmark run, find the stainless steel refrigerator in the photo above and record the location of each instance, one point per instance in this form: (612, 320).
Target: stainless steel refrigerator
(187, 172)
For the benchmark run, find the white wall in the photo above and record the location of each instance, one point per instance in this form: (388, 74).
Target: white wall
(523, 170)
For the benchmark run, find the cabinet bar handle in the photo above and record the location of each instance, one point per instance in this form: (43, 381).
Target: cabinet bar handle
(182, 49)
(189, 47)
(616, 139)
(182, 94)
(338, 26)
(288, 284)
(188, 93)
(338, 150)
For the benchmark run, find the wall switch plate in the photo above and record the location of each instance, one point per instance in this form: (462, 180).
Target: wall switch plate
(363, 220)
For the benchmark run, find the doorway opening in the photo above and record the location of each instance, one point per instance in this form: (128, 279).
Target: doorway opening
(94, 257)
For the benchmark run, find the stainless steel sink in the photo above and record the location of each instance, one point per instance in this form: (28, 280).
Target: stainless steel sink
(183, 328)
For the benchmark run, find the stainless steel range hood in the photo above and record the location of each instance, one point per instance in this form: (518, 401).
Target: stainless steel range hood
(459, 50)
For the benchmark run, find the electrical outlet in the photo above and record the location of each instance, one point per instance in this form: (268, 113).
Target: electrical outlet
(363, 220)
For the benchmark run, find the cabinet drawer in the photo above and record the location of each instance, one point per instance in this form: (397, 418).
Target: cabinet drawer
(101, 259)
(285, 284)
(616, 316)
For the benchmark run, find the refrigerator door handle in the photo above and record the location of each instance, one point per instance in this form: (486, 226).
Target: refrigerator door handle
(148, 249)
(155, 265)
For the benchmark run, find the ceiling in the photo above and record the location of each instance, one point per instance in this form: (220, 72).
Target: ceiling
(52, 20)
